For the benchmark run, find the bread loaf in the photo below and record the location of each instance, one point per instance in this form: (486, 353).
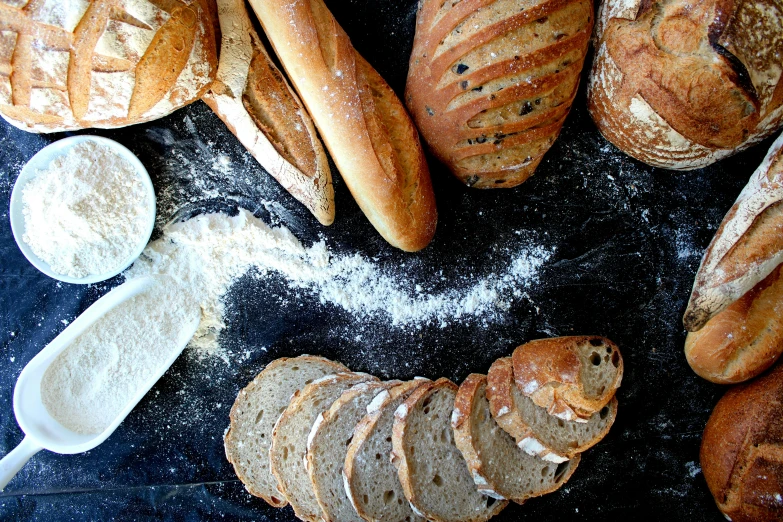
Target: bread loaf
(255, 101)
(742, 450)
(680, 85)
(747, 246)
(491, 82)
(363, 124)
(105, 63)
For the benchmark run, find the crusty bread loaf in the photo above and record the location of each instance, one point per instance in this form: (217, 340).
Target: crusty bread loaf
(491, 82)
(680, 85)
(747, 246)
(254, 100)
(105, 63)
(742, 450)
(499, 467)
(363, 124)
(371, 481)
(744, 339)
(255, 412)
(571, 377)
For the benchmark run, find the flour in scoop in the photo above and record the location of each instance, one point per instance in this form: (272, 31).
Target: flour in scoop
(89, 384)
(87, 212)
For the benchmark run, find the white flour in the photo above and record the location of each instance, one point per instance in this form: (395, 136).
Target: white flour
(86, 213)
(208, 253)
(92, 380)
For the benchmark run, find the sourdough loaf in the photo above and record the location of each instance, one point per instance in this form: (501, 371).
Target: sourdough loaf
(680, 85)
(105, 63)
(491, 82)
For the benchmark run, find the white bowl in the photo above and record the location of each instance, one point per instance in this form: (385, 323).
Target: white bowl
(41, 161)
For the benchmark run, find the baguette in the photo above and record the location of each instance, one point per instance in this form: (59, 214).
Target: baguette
(256, 103)
(363, 124)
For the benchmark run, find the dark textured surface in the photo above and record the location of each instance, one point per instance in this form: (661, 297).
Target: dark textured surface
(627, 240)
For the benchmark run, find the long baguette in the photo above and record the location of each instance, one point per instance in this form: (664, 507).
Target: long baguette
(362, 122)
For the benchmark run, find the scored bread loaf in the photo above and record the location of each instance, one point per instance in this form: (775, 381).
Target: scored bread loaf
(571, 377)
(255, 412)
(491, 82)
(747, 246)
(536, 432)
(434, 476)
(680, 85)
(288, 452)
(371, 481)
(363, 124)
(498, 466)
(256, 103)
(105, 63)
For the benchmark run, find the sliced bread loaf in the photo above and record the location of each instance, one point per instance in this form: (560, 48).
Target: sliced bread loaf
(328, 443)
(253, 416)
(434, 476)
(370, 479)
(538, 433)
(572, 377)
(499, 467)
(289, 439)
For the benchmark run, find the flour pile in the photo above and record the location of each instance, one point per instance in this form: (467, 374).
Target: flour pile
(208, 253)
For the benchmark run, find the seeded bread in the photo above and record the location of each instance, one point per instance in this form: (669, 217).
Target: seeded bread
(571, 377)
(327, 445)
(434, 476)
(289, 439)
(253, 416)
(537, 432)
(371, 481)
(499, 467)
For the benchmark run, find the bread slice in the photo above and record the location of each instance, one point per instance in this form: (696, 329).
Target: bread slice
(253, 416)
(499, 467)
(538, 433)
(572, 377)
(289, 439)
(327, 444)
(434, 476)
(370, 479)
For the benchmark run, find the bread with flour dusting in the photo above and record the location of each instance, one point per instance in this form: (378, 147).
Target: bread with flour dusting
(107, 63)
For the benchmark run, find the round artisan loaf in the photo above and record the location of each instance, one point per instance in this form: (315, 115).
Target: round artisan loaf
(742, 450)
(106, 63)
(680, 85)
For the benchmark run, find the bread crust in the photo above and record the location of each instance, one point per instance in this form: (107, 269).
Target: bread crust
(747, 246)
(363, 124)
(742, 450)
(256, 103)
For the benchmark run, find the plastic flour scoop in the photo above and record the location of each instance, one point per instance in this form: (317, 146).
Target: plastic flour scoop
(41, 429)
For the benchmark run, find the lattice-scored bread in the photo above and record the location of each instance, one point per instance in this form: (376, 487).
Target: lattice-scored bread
(72, 64)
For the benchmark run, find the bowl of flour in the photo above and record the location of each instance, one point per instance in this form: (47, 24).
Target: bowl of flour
(82, 209)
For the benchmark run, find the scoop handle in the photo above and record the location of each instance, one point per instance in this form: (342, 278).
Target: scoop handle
(13, 462)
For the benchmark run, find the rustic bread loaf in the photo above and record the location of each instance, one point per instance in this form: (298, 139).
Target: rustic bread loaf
(744, 339)
(747, 246)
(254, 100)
(253, 416)
(287, 454)
(680, 85)
(538, 433)
(742, 450)
(371, 481)
(105, 63)
(327, 445)
(491, 82)
(571, 377)
(434, 476)
(498, 466)
(363, 124)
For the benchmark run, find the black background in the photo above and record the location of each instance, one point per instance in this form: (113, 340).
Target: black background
(627, 239)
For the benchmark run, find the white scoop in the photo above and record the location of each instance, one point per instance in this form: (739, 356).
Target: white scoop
(41, 429)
